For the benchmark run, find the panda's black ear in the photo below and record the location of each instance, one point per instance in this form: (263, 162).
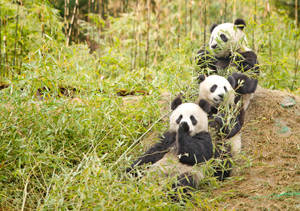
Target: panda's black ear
(212, 27)
(240, 23)
(205, 106)
(200, 78)
(176, 102)
(232, 81)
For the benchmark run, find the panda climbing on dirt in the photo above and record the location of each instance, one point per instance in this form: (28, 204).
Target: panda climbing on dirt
(228, 47)
(185, 144)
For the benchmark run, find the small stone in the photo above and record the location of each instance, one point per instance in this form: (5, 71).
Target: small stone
(282, 129)
(288, 102)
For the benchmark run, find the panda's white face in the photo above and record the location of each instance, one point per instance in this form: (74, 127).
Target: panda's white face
(193, 115)
(216, 89)
(226, 38)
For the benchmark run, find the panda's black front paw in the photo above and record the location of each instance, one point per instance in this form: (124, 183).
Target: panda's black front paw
(219, 120)
(183, 127)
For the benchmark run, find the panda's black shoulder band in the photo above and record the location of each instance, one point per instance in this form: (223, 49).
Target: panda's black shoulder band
(205, 106)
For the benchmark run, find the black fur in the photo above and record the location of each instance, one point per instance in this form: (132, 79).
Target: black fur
(212, 27)
(157, 151)
(245, 61)
(201, 78)
(232, 81)
(238, 123)
(193, 149)
(240, 23)
(198, 148)
(206, 60)
(247, 86)
(205, 106)
(176, 102)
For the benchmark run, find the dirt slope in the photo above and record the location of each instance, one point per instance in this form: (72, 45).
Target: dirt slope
(271, 136)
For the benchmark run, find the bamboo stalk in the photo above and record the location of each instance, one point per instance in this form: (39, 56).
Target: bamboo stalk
(91, 33)
(100, 26)
(253, 31)
(103, 8)
(191, 20)
(136, 33)
(21, 49)
(157, 29)
(234, 10)
(296, 13)
(5, 54)
(185, 17)
(88, 19)
(76, 29)
(205, 23)
(148, 31)
(66, 14)
(296, 44)
(179, 30)
(0, 42)
(225, 11)
(269, 34)
(16, 36)
(72, 22)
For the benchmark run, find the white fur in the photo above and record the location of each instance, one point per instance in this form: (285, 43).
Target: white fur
(213, 97)
(236, 40)
(236, 144)
(186, 110)
(169, 165)
(246, 100)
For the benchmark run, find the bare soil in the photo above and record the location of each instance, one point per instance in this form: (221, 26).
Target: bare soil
(271, 138)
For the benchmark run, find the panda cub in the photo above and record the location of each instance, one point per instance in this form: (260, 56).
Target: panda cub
(228, 47)
(227, 114)
(186, 143)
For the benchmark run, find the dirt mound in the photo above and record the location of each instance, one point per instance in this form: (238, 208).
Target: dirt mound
(271, 136)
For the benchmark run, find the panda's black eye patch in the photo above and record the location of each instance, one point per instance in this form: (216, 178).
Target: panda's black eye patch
(193, 119)
(213, 88)
(223, 37)
(225, 89)
(179, 119)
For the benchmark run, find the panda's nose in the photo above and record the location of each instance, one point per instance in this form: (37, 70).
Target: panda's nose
(214, 46)
(221, 96)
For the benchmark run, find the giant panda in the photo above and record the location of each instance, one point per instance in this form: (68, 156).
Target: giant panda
(186, 143)
(228, 47)
(227, 110)
(225, 114)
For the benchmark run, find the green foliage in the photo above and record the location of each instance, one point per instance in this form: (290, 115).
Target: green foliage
(58, 152)
(26, 29)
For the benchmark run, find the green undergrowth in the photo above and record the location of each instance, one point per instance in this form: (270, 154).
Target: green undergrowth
(66, 134)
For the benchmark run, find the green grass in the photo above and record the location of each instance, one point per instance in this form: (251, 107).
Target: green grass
(59, 153)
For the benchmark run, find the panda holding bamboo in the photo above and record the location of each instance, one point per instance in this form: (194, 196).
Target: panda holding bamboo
(186, 143)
